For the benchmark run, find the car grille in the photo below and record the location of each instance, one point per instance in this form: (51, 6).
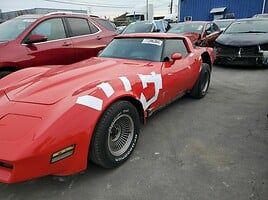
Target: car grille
(227, 50)
(249, 51)
(264, 47)
(232, 51)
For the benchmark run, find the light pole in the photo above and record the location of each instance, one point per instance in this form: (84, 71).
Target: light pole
(147, 9)
(171, 5)
(179, 10)
(263, 6)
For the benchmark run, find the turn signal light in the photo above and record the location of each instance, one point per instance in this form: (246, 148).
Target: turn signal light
(63, 153)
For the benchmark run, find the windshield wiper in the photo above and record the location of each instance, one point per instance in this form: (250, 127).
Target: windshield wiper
(253, 32)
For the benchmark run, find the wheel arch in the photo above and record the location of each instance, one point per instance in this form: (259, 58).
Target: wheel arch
(135, 102)
(206, 59)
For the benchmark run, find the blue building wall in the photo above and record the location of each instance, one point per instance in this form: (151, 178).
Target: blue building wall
(200, 9)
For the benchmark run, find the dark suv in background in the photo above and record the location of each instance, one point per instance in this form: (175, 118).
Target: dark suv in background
(51, 39)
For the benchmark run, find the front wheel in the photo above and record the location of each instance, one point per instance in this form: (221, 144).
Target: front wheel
(202, 84)
(115, 135)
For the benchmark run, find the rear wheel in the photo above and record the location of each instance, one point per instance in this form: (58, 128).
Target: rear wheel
(202, 84)
(116, 135)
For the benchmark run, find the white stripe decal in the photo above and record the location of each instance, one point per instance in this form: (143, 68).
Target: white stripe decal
(90, 101)
(153, 78)
(107, 89)
(126, 83)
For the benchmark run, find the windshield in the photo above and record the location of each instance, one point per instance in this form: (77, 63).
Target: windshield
(223, 24)
(134, 48)
(187, 27)
(248, 27)
(11, 29)
(139, 27)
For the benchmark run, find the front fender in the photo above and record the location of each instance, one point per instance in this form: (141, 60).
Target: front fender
(141, 89)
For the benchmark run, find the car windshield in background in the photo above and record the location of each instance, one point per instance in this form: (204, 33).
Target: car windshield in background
(134, 48)
(252, 26)
(186, 27)
(261, 15)
(11, 29)
(223, 24)
(139, 27)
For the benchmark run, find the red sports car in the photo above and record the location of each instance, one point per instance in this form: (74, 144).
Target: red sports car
(53, 119)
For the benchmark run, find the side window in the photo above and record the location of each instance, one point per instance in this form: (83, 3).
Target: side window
(79, 26)
(214, 27)
(174, 46)
(93, 28)
(52, 28)
(106, 24)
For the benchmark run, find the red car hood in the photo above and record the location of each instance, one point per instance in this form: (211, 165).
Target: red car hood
(56, 83)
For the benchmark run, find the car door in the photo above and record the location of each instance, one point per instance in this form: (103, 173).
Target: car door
(56, 50)
(86, 37)
(176, 74)
(211, 33)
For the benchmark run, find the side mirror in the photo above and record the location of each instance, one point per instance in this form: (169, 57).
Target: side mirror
(176, 56)
(36, 38)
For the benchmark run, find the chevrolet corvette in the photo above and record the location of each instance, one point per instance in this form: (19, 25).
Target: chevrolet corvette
(55, 119)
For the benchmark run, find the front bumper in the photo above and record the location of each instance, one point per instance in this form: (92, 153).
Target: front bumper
(34, 145)
(24, 169)
(249, 55)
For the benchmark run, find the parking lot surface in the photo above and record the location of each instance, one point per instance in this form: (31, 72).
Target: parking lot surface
(215, 148)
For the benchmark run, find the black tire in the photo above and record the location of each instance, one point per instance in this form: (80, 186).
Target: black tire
(115, 135)
(202, 84)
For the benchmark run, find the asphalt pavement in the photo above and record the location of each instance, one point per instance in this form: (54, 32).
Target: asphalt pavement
(215, 148)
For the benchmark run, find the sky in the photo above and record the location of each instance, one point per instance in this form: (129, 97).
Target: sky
(111, 9)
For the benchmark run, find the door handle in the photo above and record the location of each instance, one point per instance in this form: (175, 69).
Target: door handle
(98, 37)
(66, 44)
